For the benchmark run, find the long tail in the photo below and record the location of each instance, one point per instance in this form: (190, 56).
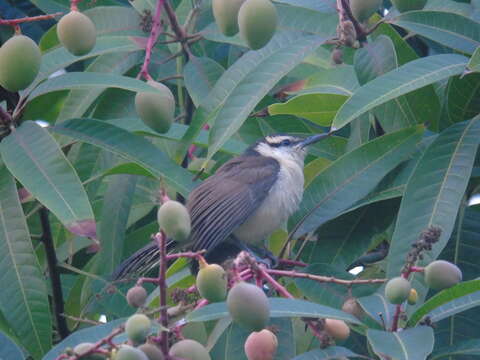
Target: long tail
(140, 262)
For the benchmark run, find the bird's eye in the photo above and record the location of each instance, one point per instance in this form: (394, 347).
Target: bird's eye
(285, 142)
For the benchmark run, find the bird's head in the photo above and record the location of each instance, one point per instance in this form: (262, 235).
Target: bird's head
(286, 147)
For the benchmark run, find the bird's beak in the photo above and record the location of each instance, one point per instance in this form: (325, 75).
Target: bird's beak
(315, 138)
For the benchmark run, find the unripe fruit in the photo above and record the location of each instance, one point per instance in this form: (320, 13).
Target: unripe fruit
(397, 290)
(156, 108)
(152, 351)
(412, 297)
(77, 33)
(261, 345)
(212, 282)
(137, 328)
(189, 350)
(83, 348)
(337, 56)
(226, 14)
(174, 219)
(127, 352)
(337, 329)
(351, 306)
(442, 274)
(248, 306)
(20, 61)
(409, 5)
(136, 296)
(363, 9)
(257, 20)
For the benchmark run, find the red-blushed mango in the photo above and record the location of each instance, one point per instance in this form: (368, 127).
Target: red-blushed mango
(409, 5)
(351, 306)
(442, 274)
(152, 351)
(189, 350)
(397, 290)
(248, 306)
(225, 13)
(20, 60)
(261, 345)
(156, 108)
(77, 33)
(337, 329)
(212, 282)
(257, 20)
(136, 296)
(137, 327)
(174, 219)
(363, 9)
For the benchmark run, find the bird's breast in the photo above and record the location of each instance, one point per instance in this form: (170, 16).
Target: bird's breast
(282, 201)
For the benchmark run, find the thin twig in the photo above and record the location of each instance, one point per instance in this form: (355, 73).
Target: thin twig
(324, 279)
(14, 22)
(52, 263)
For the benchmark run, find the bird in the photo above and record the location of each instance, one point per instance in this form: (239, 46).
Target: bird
(243, 202)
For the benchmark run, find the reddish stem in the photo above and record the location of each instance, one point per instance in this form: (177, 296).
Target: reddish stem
(189, 255)
(162, 285)
(288, 262)
(396, 317)
(15, 22)
(152, 39)
(323, 279)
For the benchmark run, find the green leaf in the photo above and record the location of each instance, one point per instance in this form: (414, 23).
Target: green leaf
(464, 348)
(8, 348)
(24, 296)
(409, 344)
(448, 302)
(453, 30)
(114, 219)
(132, 147)
(411, 76)
(378, 308)
(434, 192)
(474, 63)
(462, 98)
(254, 75)
(351, 177)
(329, 353)
(200, 75)
(33, 156)
(79, 101)
(279, 307)
(82, 80)
(60, 58)
(318, 108)
(373, 60)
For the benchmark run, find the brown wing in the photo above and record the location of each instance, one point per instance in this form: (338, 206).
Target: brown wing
(225, 200)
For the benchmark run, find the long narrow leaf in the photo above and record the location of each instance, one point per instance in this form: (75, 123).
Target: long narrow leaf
(24, 296)
(33, 156)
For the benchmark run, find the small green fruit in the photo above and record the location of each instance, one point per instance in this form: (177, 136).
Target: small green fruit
(137, 328)
(397, 290)
(412, 297)
(174, 219)
(156, 108)
(212, 282)
(409, 5)
(127, 352)
(136, 296)
(20, 60)
(442, 274)
(257, 20)
(83, 348)
(337, 329)
(77, 33)
(189, 350)
(226, 14)
(261, 345)
(363, 9)
(152, 351)
(248, 306)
